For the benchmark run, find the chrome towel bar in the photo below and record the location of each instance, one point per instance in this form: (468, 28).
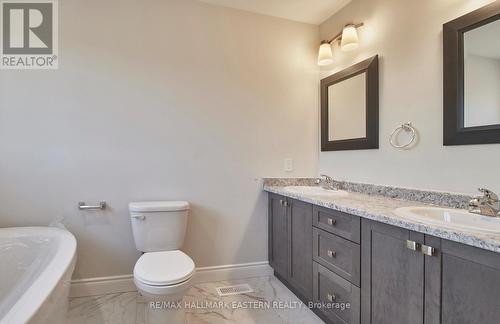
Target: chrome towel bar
(83, 206)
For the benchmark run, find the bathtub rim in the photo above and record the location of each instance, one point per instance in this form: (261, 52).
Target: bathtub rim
(35, 296)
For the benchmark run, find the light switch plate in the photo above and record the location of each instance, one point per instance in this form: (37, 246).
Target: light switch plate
(288, 165)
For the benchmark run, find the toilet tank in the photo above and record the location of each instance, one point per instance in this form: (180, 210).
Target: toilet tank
(159, 225)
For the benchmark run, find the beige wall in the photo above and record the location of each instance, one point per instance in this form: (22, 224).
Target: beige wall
(159, 100)
(180, 100)
(407, 36)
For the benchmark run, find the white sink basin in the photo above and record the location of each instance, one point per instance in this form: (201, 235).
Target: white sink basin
(451, 218)
(315, 191)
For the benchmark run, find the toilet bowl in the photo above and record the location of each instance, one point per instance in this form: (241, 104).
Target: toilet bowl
(163, 273)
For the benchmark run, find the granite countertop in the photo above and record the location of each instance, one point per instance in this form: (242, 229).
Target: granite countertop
(381, 208)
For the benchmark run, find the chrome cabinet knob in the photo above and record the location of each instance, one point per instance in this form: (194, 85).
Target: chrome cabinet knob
(331, 221)
(331, 254)
(331, 297)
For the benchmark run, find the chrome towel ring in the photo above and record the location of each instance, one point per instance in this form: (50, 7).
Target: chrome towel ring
(407, 127)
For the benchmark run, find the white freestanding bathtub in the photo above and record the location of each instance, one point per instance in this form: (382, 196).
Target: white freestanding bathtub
(36, 264)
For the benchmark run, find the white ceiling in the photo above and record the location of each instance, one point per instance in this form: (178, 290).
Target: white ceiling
(308, 11)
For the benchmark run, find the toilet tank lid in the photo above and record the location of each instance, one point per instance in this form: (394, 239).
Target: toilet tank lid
(158, 206)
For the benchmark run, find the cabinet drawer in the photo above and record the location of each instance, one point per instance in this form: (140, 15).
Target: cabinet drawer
(343, 296)
(339, 223)
(337, 254)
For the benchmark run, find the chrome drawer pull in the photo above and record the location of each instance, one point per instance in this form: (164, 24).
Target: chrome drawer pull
(428, 250)
(331, 297)
(412, 245)
(331, 254)
(331, 221)
(281, 202)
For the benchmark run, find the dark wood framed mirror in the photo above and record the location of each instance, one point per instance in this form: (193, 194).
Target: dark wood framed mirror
(471, 75)
(349, 108)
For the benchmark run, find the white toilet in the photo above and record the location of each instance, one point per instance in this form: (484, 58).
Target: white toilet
(163, 273)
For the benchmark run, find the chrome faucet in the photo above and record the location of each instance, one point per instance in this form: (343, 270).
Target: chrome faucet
(327, 182)
(487, 205)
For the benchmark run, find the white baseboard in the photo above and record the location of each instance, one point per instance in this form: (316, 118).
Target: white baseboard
(101, 286)
(125, 283)
(233, 272)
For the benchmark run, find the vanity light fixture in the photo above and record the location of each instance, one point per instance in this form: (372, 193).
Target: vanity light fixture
(348, 41)
(325, 56)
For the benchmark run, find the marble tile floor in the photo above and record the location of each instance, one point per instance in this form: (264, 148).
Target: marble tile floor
(201, 306)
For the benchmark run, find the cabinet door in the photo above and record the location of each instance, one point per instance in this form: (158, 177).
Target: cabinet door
(278, 235)
(462, 284)
(300, 246)
(392, 275)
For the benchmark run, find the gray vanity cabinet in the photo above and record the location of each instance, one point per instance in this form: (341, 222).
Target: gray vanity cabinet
(290, 242)
(380, 270)
(300, 274)
(278, 235)
(462, 284)
(392, 275)
(454, 284)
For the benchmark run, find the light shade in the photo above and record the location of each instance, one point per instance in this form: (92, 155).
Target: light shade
(350, 39)
(325, 56)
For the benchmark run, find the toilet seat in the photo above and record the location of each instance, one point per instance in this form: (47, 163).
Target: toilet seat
(163, 269)
(163, 292)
